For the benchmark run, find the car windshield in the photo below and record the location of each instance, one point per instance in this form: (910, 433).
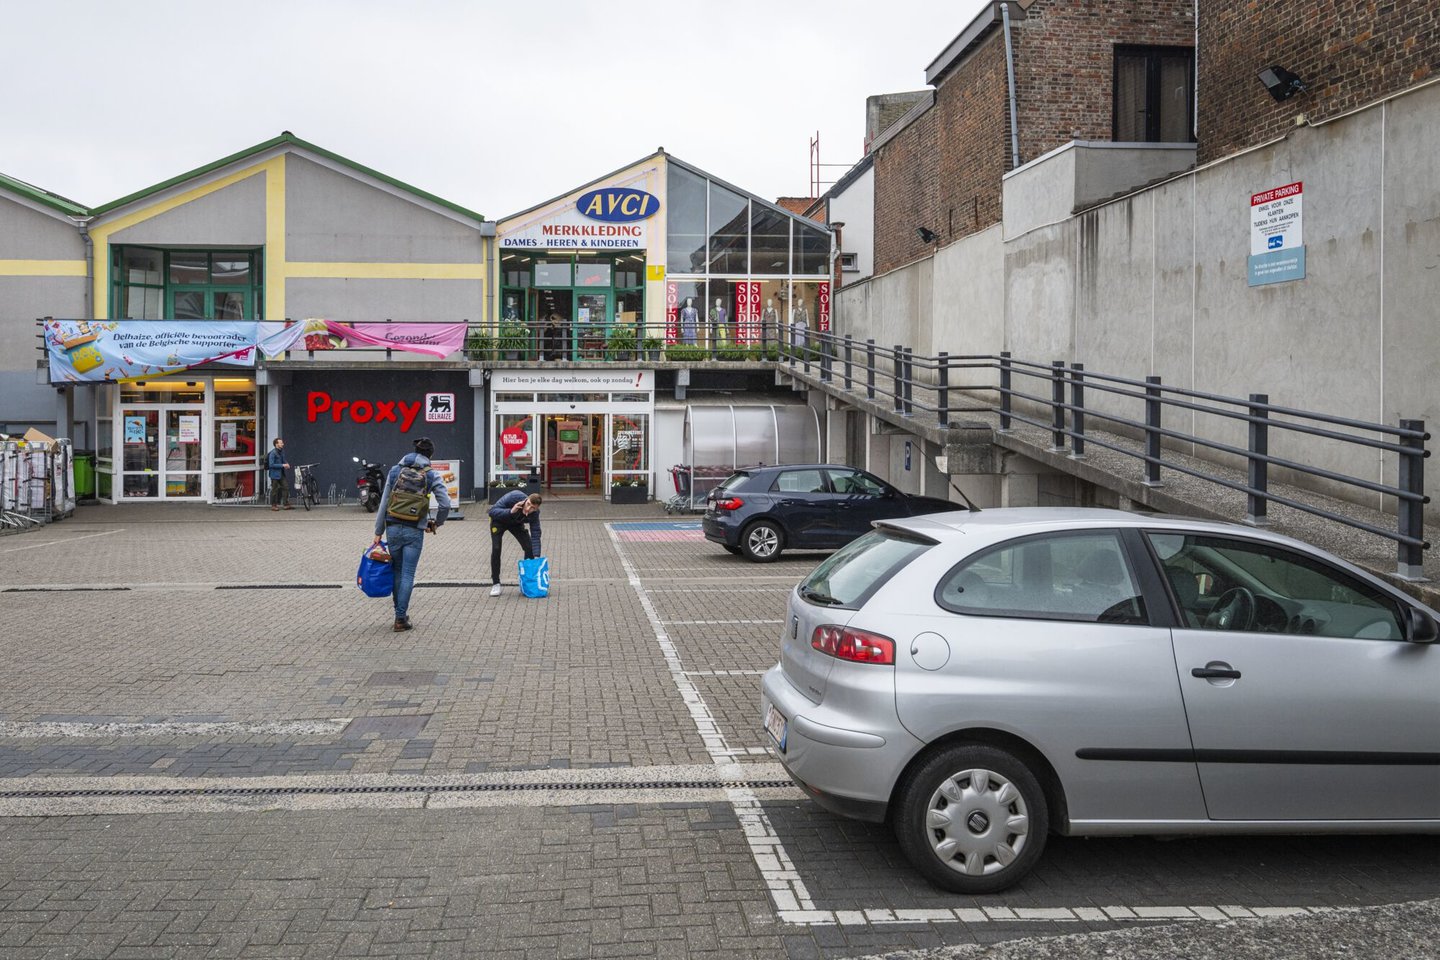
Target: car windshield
(857, 570)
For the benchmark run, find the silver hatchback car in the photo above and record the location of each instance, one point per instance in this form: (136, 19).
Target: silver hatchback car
(981, 679)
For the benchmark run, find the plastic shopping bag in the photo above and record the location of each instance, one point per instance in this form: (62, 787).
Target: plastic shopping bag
(376, 577)
(535, 577)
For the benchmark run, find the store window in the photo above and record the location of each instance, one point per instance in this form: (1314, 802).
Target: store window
(812, 249)
(769, 241)
(685, 222)
(152, 284)
(1154, 94)
(514, 445)
(729, 242)
(234, 438)
(104, 440)
(629, 448)
(592, 273)
(553, 273)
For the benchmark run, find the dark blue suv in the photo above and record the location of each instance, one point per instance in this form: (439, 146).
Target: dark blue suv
(760, 511)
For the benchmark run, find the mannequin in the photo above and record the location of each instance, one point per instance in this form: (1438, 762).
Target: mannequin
(800, 323)
(720, 322)
(689, 319)
(510, 312)
(769, 320)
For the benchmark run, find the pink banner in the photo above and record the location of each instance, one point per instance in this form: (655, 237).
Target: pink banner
(822, 309)
(436, 339)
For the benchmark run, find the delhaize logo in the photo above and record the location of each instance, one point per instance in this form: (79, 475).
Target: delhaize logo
(618, 204)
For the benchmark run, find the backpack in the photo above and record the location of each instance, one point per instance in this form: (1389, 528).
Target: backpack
(409, 496)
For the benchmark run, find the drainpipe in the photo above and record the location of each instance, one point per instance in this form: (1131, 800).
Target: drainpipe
(1010, 77)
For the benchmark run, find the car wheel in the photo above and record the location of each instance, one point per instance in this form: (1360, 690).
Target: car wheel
(729, 549)
(762, 541)
(972, 819)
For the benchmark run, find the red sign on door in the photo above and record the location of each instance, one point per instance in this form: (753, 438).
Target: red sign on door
(513, 440)
(747, 310)
(822, 308)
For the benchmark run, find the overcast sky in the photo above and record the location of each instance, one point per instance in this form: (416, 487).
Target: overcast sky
(494, 106)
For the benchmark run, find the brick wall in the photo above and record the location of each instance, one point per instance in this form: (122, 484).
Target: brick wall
(1347, 53)
(1065, 63)
(944, 171)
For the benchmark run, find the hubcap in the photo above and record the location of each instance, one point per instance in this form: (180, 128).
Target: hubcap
(763, 541)
(977, 822)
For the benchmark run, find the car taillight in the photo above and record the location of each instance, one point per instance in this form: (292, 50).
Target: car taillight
(856, 646)
(729, 503)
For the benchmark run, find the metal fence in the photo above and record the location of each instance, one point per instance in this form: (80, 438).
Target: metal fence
(1060, 397)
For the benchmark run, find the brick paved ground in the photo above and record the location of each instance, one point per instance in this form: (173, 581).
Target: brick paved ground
(125, 658)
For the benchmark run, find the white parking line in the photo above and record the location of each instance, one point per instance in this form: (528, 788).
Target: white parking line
(62, 542)
(782, 880)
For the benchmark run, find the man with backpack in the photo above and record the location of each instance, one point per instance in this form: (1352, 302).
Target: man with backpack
(510, 514)
(404, 518)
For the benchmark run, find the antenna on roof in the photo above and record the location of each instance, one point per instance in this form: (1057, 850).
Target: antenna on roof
(970, 504)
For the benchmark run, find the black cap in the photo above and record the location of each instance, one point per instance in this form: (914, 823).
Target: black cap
(424, 446)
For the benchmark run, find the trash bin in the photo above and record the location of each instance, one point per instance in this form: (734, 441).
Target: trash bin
(84, 474)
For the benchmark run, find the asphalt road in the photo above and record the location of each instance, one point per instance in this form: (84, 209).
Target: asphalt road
(211, 745)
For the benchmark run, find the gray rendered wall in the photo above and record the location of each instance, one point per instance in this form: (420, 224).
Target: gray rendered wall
(231, 216)
(334, 217)
(30, 234)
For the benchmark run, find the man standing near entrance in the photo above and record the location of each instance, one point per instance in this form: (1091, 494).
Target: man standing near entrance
(276, 465)
(510, 514)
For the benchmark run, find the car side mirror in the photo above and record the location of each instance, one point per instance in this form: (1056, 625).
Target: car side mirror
(1420, 627)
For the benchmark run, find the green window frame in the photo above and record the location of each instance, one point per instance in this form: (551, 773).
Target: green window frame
(153, 283)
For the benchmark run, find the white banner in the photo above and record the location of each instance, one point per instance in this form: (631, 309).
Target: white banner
(561, 381)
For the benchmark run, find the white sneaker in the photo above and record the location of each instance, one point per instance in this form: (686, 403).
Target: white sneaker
(495, 590)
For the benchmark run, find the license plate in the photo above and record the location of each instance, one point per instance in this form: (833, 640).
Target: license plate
(775, 726)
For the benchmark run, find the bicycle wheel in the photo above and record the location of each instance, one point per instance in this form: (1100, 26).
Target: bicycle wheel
(310, 498)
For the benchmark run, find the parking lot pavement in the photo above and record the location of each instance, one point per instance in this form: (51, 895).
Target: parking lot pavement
(257, 765)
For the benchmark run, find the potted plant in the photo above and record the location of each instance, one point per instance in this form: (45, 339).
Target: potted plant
(651, 346)
(620, 345)
(686, 352)
(479, 346)
(513, 341)
(629, 489)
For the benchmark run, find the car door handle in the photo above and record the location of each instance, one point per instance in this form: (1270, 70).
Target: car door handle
(1215, 673)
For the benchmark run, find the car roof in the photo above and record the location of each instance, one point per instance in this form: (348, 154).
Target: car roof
(1006, 522)
(768, 467)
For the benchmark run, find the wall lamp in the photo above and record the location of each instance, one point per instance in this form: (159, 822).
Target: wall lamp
(925, 234)
(1281, 83)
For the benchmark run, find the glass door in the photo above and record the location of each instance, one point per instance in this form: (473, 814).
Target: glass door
(140, 461)
(181, 473)
(592, 322)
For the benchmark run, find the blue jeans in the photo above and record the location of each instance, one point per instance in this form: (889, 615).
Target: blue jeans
(406, 542)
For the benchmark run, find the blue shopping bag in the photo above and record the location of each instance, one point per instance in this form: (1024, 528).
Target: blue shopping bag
(535, 577)
(376, 577)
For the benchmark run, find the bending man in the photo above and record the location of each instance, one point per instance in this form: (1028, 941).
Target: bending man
(510, 514)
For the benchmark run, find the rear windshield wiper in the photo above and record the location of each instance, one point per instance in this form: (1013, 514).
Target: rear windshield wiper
(820, 598)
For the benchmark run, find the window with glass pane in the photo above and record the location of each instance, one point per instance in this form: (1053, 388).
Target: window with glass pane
(142, 266)
(552, 273)
(516, 270)
(812, 249)
(189, 267)
(592, 273)
(769, 241)
(729, 230)
(628, 443)
(685, 221)
(143, 303)
(630, 271)
(1154, 94)
(231, 268)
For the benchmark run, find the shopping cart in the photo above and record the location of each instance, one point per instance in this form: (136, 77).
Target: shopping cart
(681, 475)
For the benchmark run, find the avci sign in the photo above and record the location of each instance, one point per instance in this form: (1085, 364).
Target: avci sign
(617, 204)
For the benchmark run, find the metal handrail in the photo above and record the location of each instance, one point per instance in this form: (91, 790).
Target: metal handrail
(890, 373)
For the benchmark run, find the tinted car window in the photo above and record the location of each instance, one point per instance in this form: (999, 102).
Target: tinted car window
(730, 483)
(858, 569)
(851, 482)
(1072, 577)
(799, 481)
(1230, 584)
